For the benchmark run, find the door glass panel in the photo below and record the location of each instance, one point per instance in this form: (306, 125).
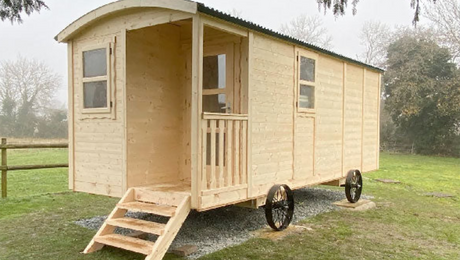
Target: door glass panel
(214, 103)
(307, 96)
(214, 72)
(307, 69)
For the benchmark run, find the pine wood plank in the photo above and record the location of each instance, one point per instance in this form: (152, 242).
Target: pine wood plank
(138, 225)
(128, 243)
(236, 167)
(161, 210)
(204, 132)
(213, 154)
(106, 229)
(229, 181)
(172, 228)
(159, 197)
(221, 153)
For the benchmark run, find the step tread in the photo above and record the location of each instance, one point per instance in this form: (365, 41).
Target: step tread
(138, 225)
(161, 210)
(128, 243)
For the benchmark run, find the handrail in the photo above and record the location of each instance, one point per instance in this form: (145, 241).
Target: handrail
(218, 116)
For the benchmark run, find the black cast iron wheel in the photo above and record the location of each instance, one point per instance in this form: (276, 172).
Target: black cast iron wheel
(353, 186)
(279, 207)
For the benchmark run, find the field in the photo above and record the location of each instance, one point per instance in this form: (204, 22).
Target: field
(36, 221)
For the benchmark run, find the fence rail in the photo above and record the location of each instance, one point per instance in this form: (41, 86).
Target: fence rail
(4, 147)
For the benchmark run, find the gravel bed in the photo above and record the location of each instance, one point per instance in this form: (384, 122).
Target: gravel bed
(216, 229)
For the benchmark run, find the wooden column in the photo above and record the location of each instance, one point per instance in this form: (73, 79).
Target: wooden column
(197, 75)
(4, 171)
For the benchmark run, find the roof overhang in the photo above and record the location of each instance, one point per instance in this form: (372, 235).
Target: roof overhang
(191, 7)
(118, 6)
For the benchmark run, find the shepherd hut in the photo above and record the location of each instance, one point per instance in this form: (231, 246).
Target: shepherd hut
(175, 106)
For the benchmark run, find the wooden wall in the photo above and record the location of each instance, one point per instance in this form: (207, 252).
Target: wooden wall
(98, 163)
(271, 101)
(328, 150)
(154, 105)
(353, 117)
(303, 149)
(99, 140)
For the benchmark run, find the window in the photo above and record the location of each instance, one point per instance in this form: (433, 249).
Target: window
(96, 79)
(306, 84)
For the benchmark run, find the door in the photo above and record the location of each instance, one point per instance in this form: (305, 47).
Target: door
(218, 69)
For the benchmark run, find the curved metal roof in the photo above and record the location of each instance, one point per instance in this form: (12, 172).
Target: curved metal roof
(189, 7)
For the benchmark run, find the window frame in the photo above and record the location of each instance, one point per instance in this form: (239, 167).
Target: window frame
(107, 78)
(299, 82)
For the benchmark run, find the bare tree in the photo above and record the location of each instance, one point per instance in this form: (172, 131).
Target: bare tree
(309, 29)
(445, 16)
(238, 13)
(375, 38)
(27, 87)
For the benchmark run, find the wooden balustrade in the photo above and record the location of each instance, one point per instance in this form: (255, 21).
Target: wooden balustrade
(223, 150)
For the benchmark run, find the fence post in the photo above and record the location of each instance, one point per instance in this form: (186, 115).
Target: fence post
(4, 171)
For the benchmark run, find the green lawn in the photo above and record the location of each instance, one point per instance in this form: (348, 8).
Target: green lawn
(34, 182)
(37, 223)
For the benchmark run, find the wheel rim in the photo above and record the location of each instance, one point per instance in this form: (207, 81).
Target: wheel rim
(279, 207)
(353, 186)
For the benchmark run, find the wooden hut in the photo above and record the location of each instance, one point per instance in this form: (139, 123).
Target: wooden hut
(176, 106)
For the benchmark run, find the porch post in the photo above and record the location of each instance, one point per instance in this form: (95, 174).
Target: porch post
(197, 81)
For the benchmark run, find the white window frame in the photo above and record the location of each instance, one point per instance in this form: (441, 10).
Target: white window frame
(304, 53)
(107, 77)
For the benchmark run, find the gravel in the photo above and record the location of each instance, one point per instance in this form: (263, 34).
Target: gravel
(216, 229)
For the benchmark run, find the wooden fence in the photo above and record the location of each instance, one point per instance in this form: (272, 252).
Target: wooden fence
(4, 147)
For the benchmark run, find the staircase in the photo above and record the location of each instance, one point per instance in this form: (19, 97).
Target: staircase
(174, 205)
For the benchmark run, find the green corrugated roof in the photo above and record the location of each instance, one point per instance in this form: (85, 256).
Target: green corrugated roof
(252, 26)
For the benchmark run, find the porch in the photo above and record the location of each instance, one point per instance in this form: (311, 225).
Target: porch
(187, 110)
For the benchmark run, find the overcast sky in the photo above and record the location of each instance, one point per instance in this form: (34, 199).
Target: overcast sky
(34, 38)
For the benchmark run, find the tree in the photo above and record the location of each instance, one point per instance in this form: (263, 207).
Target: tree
(12, 9)
(27, 88)
(339, 6)
(375, 38)
(446, 19)
(238, 13)
(423, 93)
(309, 29)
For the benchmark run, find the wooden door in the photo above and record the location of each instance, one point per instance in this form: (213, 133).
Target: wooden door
(218, 67)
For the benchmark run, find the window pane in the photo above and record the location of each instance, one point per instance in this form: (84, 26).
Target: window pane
(307, 96)
(214, 71)
(214, 103)
(307, 69)
(95, 94)
(95, 63)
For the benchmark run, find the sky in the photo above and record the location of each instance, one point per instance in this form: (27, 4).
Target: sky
(34, 38)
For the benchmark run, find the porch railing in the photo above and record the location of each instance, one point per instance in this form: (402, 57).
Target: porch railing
(224, 151)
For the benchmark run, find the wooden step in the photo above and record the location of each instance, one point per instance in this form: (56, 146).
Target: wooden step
(161, 210)
(127, 243)
(138, 225)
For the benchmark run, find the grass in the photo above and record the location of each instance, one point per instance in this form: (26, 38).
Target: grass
(38, 223)
(35, 182)
(406, 224)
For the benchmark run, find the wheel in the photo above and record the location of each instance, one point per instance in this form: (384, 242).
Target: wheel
(279, 207)
(353, 186)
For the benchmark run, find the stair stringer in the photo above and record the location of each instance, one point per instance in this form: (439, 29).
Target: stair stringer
(172, 228)
(107, 229)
